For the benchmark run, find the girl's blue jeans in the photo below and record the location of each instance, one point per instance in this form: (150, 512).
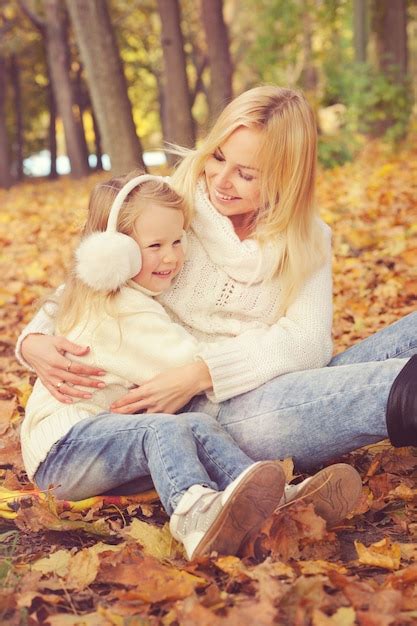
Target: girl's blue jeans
(178, 451)
(313, 416)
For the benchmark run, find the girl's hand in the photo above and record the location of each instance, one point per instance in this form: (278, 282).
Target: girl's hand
(167, 392)
(49, 357)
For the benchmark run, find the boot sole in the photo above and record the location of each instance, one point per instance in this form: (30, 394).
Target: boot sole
(337, 490)
(252, 502)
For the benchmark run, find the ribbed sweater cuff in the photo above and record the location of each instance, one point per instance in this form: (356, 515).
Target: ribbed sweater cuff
(230, 372)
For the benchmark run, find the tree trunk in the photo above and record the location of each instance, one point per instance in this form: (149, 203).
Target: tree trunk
(360, 30)
(52, 131)
(221, 69)
(390, 26)
(107, 83)
(63, 91)
(97, 140)
(83, 102)
(5, 175)
(179, 122)
(17, 105)
(309, 76)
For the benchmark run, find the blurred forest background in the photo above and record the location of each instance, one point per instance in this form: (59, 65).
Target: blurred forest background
(113, 81)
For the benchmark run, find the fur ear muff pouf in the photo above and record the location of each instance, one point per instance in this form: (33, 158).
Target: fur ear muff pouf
(106, 260)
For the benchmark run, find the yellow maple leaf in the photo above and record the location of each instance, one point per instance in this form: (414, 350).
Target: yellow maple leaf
(383, 553)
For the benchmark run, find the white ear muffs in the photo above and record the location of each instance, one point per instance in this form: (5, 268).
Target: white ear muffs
(106, 260)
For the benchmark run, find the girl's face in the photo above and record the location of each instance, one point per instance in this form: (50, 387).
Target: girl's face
(158, 232)
(232, 176)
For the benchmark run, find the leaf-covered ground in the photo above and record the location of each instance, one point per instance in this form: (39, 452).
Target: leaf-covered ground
(112, 561)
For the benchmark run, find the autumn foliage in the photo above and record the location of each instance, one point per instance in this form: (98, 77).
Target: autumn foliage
(111, 561)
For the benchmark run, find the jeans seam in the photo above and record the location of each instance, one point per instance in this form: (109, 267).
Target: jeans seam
(119, 430)
(212, 460)
(410, 347)
(172, 482)
(295, 406)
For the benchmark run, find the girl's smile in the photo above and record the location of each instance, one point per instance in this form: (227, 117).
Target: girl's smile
(158, 231)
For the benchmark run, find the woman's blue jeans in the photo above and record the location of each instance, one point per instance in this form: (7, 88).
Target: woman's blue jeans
(313, 416)
(178, 451)
(317, 415)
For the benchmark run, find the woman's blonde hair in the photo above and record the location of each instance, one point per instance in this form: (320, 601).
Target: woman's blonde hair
(287, 164)
(77, 298)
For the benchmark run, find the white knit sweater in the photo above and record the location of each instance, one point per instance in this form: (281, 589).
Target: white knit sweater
(132, 348)
(219, 295)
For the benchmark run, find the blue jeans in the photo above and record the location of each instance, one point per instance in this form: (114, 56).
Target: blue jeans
(178, 451)
(317, 415)
(313, 416)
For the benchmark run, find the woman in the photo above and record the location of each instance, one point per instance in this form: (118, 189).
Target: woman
(258, 277)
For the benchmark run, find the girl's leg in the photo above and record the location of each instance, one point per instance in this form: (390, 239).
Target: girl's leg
(217, 451)
(102, 452)
(313, 416)
(399, 340)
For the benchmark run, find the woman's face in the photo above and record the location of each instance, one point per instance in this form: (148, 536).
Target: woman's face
(232, 176)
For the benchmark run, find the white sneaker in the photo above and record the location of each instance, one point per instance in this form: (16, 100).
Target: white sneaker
(206, 520)
(334, 491)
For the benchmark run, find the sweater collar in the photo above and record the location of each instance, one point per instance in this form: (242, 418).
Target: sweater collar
(245, 261)
(134, 285)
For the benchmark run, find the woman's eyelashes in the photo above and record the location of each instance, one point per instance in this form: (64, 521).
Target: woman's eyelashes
(219, 157)
(247, 177)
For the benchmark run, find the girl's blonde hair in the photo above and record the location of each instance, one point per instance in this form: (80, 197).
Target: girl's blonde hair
(77, 297)
(287, 164)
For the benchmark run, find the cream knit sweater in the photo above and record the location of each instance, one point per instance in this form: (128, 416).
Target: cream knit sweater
(132, 349)
(220, 298)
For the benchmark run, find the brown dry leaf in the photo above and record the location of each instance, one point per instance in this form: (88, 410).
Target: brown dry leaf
(312, 568)
(84, 565)
(157, 542)
(302, 599)
(56, 563)
(147, 578)
(290, 530)
(288, 467)
(382, 484)
(370, 602)
(7, 409)
(403, 492)
(39, 516)
(383, 553)
(404, 577)
(88, 619)
(344, 616)
(10, 453)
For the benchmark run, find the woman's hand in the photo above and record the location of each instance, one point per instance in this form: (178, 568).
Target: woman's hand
(167, 392)
(49, 358)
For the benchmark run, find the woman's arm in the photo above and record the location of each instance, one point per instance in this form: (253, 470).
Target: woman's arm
(167, 392)
(300, 340)
(38, 349)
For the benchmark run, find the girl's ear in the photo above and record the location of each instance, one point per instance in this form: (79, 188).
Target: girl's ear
(184, 241)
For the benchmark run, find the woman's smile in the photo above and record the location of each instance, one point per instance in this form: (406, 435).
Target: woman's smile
(232, 175)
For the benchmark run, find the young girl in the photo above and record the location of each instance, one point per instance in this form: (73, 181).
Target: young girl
(214, 493)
